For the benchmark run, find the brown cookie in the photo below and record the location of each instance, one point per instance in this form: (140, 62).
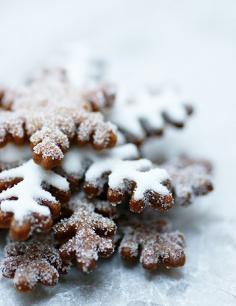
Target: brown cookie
(190, 178)
(117, 174)
(136, 182)
(149, 113)
(86, 235)
(31, 262)
(152, 243)
(51, 114)
(78, 161)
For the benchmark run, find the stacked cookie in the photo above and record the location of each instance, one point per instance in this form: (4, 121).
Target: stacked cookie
(74, 186)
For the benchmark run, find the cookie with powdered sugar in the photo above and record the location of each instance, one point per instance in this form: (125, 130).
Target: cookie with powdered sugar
(120, 175)
(87, 234)
(137, 182)
(78, 161)
(153, 243)
(147, 113)
(30, 198)
(32, 262)
(51, 114)
(190, 178)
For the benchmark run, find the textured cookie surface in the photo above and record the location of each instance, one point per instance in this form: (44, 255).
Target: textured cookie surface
(78, 161)
(86, 235)
(31, 262)
(135, 181)
(50, 114)
(190, 178)
(153, 243)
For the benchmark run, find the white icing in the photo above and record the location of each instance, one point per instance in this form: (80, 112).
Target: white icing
(119, 163)
(144, 106)
(139, 171)
(74, 159)
(29, 190)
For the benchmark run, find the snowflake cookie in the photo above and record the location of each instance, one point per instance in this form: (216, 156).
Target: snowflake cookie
(30, 199)
(86, 235)
(31, 262)
(78, 161)
(148, 113)
(127, 179)
(52, 87)
(134, 181)
(190, 178)
(152, 243)
(51, 114)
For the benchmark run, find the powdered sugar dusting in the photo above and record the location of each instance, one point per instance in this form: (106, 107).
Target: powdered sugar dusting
(156, 244)
(30, 262)
(190, 178)
(51, 113)
(51, 88)
(50, 133)
(165, 249)
(86, 245)
(11, 124)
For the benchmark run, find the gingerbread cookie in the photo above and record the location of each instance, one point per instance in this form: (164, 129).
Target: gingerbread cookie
(78, 161)
(152, 243)
(190, 178)
(51, 114)
(124, 177)
(146, 113)
(30, 199)
(98, 95)
(31, 262)
(47, 88)
(136, 182)
(85, 236)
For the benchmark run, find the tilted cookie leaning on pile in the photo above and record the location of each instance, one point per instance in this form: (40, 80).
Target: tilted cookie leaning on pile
(69, 158)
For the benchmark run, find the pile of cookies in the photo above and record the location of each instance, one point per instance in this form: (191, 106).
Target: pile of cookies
(74, 186)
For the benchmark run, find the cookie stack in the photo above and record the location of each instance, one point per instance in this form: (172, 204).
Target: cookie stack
(74, 186)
